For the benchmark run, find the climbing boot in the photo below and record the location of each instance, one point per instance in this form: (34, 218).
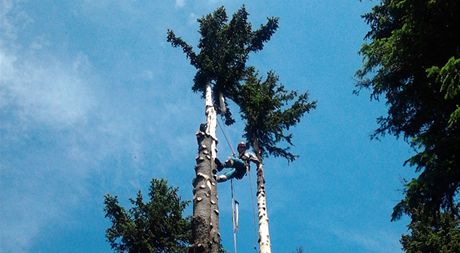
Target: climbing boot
(219, 165)
(221, 178)
(229, 163)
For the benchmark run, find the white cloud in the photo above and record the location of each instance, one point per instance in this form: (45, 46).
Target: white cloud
(47, 91)
(6, 28)
(61, 125)
(12, 18)
(22, 218)
(37, 91)
(84, 124)
(41, 87)
(373, 241)
(180, 3)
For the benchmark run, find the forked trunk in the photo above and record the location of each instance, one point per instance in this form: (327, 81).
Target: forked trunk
(205, 220)
(264, 234)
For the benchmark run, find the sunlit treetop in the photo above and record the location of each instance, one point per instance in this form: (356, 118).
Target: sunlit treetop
(269, 111)
(224, 48)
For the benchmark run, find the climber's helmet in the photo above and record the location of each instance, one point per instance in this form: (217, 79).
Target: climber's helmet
(241, 147)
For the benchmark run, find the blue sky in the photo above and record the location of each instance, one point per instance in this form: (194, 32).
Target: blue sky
(93, 100)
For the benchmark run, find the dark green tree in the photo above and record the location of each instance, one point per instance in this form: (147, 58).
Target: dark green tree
(269, 111)
(411, 58)
(155, 226)
(224, 48)
(436, 232)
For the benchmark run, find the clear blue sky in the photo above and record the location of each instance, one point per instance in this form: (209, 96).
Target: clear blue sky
(93, 100)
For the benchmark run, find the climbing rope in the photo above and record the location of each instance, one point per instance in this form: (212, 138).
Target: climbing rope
(225, 136)
(233, 217)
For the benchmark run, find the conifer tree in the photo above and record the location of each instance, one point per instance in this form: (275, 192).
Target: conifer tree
(154, 226)
(411, 60)
(221, 64)
(269, 111)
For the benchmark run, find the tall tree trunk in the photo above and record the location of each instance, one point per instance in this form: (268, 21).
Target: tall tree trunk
(205, 220)
(264, 234)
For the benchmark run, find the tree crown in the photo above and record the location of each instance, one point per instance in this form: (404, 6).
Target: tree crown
(224, 49)
(269, 110)
(154, 226)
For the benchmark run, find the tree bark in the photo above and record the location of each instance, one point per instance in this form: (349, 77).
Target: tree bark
(205, 219)
(264, 234)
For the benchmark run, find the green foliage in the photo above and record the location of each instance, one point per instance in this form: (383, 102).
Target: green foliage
(224, 49)
(411, 58)
(433, 233)
(449, 78)
(269, 110)
(156, 226)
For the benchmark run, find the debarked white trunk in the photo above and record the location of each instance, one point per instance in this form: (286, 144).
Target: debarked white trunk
(264, 234)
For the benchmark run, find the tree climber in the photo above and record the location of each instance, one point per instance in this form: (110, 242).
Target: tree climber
(237, 166)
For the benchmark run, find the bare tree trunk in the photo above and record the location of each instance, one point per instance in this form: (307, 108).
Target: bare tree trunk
(264, 234)
(205, 220)
(201, 196)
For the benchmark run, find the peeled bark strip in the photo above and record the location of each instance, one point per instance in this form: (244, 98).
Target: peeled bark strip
(222, 106)
(211, 118)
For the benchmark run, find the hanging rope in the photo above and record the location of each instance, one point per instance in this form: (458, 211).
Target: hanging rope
(226, 138)
(233, 217)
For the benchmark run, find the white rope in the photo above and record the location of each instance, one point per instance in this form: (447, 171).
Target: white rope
(233, 217)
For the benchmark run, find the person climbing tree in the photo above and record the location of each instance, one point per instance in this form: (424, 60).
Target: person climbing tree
(238, 166)
(224, 48)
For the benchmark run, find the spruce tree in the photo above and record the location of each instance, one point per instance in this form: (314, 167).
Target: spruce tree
(412, 62)
(154, 226)
(269, 111)
(224, 47)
